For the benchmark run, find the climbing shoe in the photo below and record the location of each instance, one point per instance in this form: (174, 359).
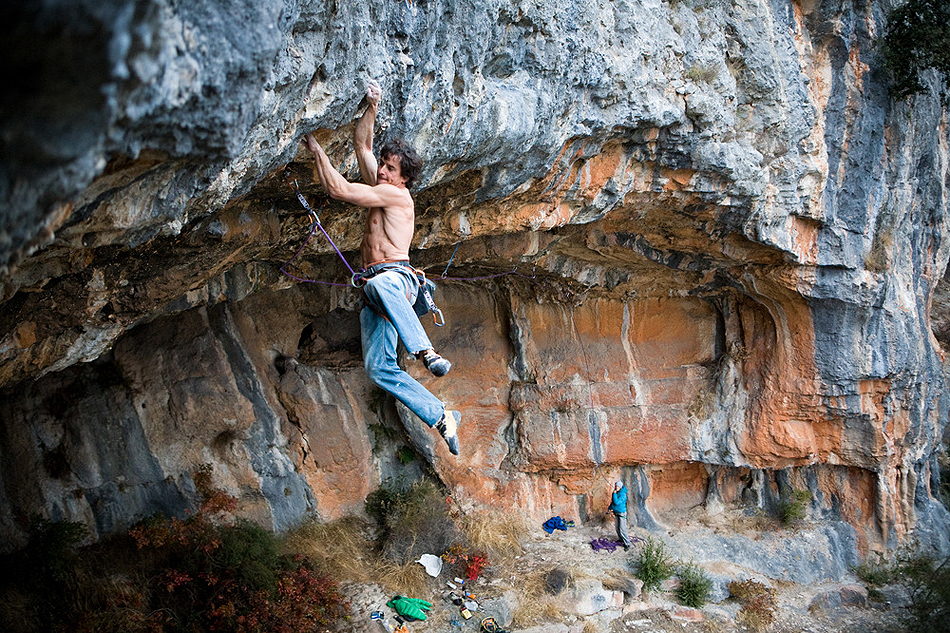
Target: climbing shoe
(448, 428)
(434, 363)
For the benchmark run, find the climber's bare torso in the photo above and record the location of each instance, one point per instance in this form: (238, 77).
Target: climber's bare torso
(388, 230)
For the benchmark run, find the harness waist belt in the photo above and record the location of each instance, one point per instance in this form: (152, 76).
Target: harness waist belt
(375, 269)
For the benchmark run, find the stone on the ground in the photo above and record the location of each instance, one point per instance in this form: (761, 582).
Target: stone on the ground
(501, 608)
(631, 587)
(844, 596)
(588, 597)
(557, 580)
(688, 614)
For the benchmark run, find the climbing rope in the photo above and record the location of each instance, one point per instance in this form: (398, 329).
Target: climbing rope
(314, 225)
(590, 382)
(513, 271)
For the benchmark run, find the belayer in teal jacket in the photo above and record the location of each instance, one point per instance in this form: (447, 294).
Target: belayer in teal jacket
(618, 505)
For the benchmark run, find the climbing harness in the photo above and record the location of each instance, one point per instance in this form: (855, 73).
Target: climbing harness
(424, 303)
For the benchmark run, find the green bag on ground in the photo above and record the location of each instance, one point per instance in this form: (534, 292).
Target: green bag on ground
(410, 607)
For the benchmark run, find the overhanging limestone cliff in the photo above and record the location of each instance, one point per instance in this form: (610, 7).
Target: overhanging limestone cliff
(726, 241)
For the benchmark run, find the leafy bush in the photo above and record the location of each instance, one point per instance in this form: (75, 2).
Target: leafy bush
(42, 585)
(927, 579)
(917, 38)
(219, 574)
(695, 586)
(654, 564)
(464, 563)
(758, 604)
(792, 508)
(875, 573)
(53, 551)
(406, 455)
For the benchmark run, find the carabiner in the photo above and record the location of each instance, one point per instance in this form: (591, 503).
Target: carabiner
(437, 317)
(357, 281)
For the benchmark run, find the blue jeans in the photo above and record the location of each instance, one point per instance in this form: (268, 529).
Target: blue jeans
(386, 319)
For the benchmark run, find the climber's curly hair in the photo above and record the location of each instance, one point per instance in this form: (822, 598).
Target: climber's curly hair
(410, 163)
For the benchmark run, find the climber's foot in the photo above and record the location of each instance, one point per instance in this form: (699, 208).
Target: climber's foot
(448, 428)
(436, 364)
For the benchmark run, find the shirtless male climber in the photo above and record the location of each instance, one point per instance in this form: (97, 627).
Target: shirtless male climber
(391, 284)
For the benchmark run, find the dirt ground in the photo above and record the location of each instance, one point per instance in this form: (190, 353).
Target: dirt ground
(513, 589)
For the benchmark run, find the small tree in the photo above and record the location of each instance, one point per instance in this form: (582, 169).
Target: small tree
(917, 38)
(654, 565)
(695, 586)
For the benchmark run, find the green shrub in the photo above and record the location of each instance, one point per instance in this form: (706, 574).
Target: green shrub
(654, 564)
(917, 38)
(42, 586)
(406, 455)
(695, 586)
(793, 506)
(252, 551)
(875, 573)
(53, 550)
(702, 73)
(215, 573)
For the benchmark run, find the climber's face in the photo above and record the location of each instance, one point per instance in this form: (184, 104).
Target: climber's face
(390, 171)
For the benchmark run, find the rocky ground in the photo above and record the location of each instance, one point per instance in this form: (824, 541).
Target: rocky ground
(603, 595)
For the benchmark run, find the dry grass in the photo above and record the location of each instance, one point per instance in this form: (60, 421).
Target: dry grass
(878, 259)
(705, 73)
(407, 579)
(754, 525)
(535, 604)
(498, 534)
(702, 405)
(346, 548)
(758, 604)
(615, 580)
(714, 625)
(593, 627)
